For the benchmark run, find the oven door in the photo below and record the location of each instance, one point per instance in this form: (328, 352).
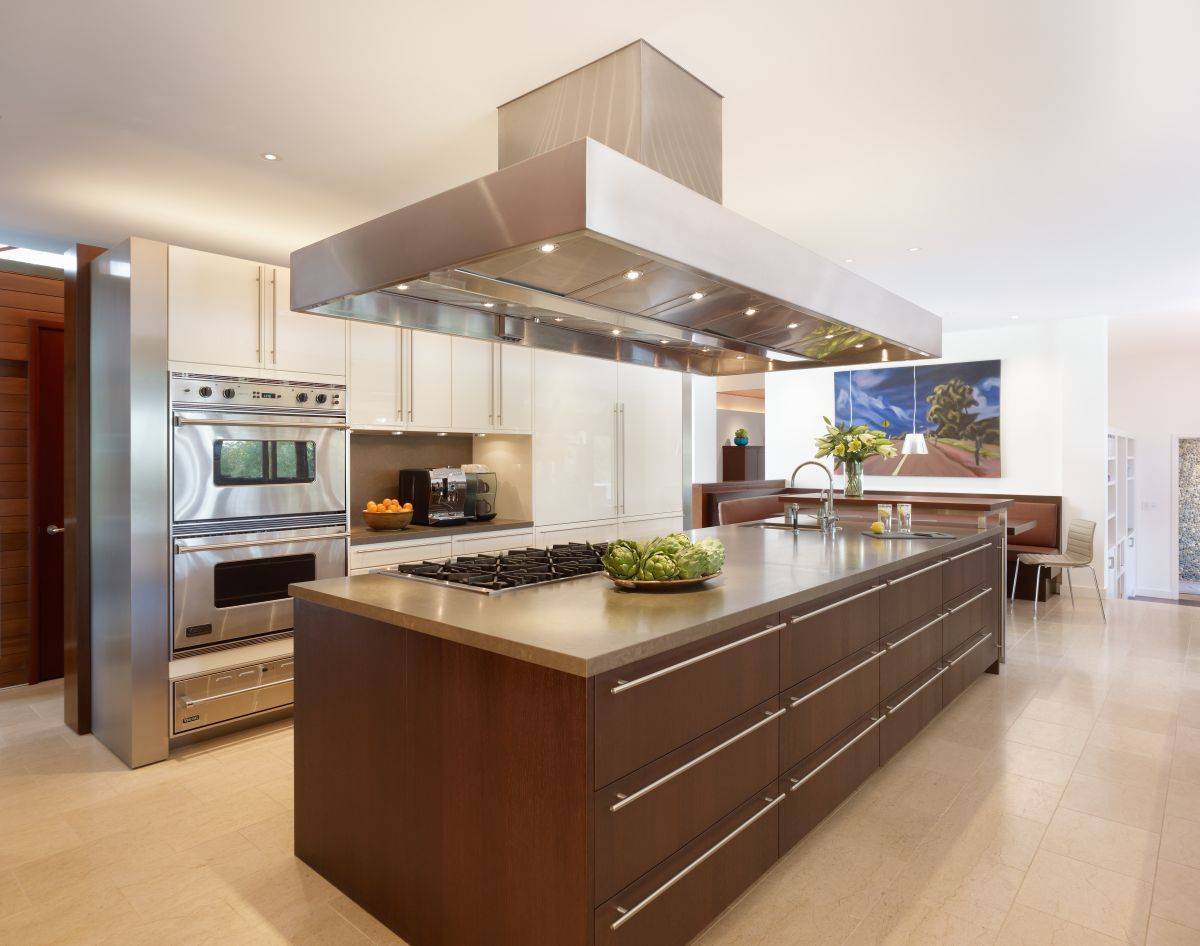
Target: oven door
(229, 587)
(249, 466)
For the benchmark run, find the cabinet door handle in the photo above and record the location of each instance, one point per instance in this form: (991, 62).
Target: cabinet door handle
(970, 600)
(955, 558)
(979, 643)
(616, 459)
(623, 800)
(920, 571)
(274, 319)
(258, 282)
(627, 915)
(907, 637)
(841, 676)
(221, 696)
(929, 682)
(875, 723)
(836, 604)
(623, 685)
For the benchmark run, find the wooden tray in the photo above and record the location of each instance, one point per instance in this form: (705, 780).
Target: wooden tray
(635, 584)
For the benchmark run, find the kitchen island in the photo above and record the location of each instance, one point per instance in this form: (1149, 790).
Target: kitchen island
(572, 764)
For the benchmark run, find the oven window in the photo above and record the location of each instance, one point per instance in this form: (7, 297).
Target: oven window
(260, 579)
(264, 462)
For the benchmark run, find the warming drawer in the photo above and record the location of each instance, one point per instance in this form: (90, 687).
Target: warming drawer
(231, 694)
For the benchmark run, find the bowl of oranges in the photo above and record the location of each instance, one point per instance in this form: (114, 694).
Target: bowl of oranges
(388, 514)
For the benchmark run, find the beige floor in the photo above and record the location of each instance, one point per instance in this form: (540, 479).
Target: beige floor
(1056, 804)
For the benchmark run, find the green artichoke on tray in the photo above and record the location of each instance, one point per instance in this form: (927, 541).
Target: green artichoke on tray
(665, 558)
(715, 551)
(693, 562)
(622, 559)
(658, 566)
(673, 544)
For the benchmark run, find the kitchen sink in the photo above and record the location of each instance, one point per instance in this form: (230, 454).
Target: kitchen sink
(806, 523)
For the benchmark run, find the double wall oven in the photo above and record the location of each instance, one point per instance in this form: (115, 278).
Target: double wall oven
(258, 499)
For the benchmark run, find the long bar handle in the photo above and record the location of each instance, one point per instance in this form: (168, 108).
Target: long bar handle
(979, 643)
(220, 696)
(623, 800)
(837, 604)
(180, 549)
(875, 723)
(929, 682)
(970, 600)
(623, 685)
(907, 637)
(212, 422)
(979, 548)
(258, 282)
(627, 915)
(841, 676)
(274, 319)
(616, 459)
(920, 571)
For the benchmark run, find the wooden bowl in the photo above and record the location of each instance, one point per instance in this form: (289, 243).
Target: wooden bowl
(382, 521)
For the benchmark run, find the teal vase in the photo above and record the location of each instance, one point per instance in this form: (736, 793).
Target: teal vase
(741, 441)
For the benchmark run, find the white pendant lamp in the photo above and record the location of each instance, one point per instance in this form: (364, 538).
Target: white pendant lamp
(914, 442)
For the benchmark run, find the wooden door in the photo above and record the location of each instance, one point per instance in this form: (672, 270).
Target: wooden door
(46, 380)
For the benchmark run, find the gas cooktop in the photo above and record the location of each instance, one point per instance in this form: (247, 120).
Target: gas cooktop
(505, 571)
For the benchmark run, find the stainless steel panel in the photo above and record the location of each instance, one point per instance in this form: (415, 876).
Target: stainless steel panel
(197, 496)
(194, 598)
(230, 694)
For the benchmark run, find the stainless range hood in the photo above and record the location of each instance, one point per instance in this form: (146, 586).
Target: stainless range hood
(577, 246)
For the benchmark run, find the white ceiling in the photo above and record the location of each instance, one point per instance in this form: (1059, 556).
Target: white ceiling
(1044, 154)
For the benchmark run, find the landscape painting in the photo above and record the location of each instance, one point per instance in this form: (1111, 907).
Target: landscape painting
(956, 406)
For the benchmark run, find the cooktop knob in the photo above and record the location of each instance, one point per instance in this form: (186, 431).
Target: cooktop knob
(228, 394)
(205, 391)
(301, 398)
(321, 398)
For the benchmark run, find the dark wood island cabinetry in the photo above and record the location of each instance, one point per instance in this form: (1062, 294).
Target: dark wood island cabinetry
(628, 783)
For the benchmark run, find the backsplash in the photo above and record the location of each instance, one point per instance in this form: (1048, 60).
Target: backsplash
(376, 458)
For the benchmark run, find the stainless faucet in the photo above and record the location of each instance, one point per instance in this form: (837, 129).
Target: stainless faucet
(827, 517)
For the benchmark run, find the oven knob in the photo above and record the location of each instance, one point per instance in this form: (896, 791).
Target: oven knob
(321, 398)
(301, 398)
(206, 391)
(228, 394)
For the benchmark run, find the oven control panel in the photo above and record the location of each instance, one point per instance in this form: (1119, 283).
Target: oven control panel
(216, 393)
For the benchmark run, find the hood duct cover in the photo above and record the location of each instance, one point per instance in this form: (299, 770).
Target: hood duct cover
(599, 254)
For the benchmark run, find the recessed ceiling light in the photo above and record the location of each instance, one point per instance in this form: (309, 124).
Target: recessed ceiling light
(752, 311)
(633, 274)
(441, 435)
(616, 331)
(397, 433)
(697, 295)
(548, 247)
(914, 249)
(859, 345)
(1014, 317)
(558, 318)
(793, 324)
(489, 305)
(270, 156)
(403, 287)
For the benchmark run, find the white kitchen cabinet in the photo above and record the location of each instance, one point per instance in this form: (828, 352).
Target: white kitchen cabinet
(472, 377)
(215, 309)
(425, 380)
(514, 389)
(492, 542)
(649, 527)
(604, 531)
(650, 420)
(574, 425)
(373, 375)
(385, 554)
(299, 341)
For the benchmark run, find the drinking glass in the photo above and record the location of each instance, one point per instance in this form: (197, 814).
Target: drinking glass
(905, 511)
(884, 513)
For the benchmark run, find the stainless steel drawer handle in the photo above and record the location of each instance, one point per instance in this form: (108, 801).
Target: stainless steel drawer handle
(907, 637)
(248, 422)
(970, 600)
(875, 723)
(623, 685)
(627, 915)
(919, 571)
(927, 683)
(623, 800)
(836, 604)
(841, 676)
(978, 548)
(221, 696)
(181, 549)
(979, 643)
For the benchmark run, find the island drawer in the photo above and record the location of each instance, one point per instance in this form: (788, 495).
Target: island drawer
(650, 814)
(827, 702)
(647, 709)
(909, 651)
(966, 615)
(825, 631)
(970, 660)
(908, 596)
(827, 777)
(908, 711)
(675, 901)
(966, 569)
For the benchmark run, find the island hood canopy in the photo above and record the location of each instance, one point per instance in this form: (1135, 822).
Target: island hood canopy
(603, 234)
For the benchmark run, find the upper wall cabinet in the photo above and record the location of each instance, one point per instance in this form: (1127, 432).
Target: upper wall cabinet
(374, 376)
(472, 374)
(231, 312)
(650, 415)
(425, 380)
(513, 383)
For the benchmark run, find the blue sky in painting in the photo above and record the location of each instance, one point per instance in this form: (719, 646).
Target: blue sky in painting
(874, 395)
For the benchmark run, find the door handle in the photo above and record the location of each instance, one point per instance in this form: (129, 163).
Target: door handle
(54, 530)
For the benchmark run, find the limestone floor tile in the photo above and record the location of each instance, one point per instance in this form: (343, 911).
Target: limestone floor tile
(1047, 735)
(1011, 793)
(12, 896)
(272, 835)
(288, 896)
(1183, 799)
(1177, 894)
(282, 789)
(215, 922)
(205, 820)
(1181, 842)
(772, 911)
(144, 807)
(1109, 844)
(903, 790)
(33, 840)
(366, 924)
(1165, 933)
(1028, 927)
(901, 921)
(1116, 801)
(68, 922)
(1034, 762)
(1087, 895)
(1153, 745)
(1185, 765)
(1120, 766)
(928, 751)
(1134, 716)
(1065, 714)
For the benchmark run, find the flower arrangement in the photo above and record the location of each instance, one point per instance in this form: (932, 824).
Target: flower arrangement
(854, 444)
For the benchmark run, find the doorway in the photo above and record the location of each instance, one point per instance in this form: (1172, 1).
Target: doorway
(46, 539)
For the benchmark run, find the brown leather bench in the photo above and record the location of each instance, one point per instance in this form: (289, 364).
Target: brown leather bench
(750, 509)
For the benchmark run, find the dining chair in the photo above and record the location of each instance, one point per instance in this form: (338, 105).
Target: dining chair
(1078, 554)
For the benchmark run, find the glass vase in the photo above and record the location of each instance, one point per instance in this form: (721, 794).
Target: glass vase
(854, 485)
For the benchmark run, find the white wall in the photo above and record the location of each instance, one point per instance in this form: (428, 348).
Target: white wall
(705, 460)
(1154, 395)
(1053, 415)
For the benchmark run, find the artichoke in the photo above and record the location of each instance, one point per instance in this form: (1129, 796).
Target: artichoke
(673, 543)
(622, 559)
(658, 566)
(693, 562)
(714, 551)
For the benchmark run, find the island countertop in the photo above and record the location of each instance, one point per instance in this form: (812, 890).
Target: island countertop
(586, 626)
